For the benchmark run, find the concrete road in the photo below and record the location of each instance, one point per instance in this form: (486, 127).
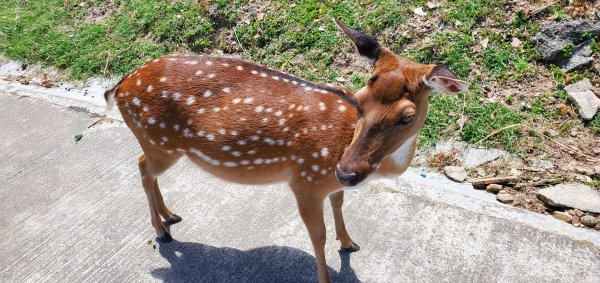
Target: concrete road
(76, 212)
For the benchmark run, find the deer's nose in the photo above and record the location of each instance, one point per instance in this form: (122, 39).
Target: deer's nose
(347, 179)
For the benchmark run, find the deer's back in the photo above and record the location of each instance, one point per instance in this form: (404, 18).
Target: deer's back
(239, 120)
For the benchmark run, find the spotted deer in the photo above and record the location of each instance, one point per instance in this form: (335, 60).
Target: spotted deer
(247, 123)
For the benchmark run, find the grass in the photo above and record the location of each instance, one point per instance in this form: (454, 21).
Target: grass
(102, 37)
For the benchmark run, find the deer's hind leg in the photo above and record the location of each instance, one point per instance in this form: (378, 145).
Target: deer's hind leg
(150, 167)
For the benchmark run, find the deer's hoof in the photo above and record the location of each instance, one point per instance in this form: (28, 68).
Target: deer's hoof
(352, 248)
(166, 238)
(174, 219)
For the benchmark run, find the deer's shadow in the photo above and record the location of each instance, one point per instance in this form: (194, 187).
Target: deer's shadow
(194, 262)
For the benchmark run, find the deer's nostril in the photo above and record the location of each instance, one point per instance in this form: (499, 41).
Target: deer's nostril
(347, 179)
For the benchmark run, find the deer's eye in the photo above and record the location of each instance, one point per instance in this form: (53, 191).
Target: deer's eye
(404, 120)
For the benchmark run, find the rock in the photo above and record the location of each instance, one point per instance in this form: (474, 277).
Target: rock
(589, 220)
(474, 157)
(561, 216)
(580, 58)
(571, 195)
(584, 170)
(580, 86)
(494, 188)
(553, 37)
(575, 220)
(587, 102)
(583, 178)
(597, 227)
(552, 133)
(456, 173)
(504, 197)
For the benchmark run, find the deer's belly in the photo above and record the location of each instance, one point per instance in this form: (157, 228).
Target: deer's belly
(244, 173)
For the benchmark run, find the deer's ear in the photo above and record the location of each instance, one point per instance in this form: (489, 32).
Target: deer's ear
(441, 79)
(366, 45)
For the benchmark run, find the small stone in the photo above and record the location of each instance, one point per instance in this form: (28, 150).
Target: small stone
(575, 220)
(419, 11)
(584, 170)
(504, 197)
(589, 221)
(586, 101)
(561, 216)
(456, 173)
(552, 133)
(596, 150)
(494, 188)
(597, 227)
(583, 178)
(578, 212)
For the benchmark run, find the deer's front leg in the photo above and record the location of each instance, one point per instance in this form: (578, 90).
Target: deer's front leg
(310, 205)
(337, 199)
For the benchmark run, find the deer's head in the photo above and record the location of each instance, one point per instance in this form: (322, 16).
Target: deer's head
(391, 108)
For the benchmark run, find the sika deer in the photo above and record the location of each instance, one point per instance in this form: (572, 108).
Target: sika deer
(250, 124)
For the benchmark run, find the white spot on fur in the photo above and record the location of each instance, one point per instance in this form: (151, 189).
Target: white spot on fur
(281, 122)
(315, 167)
(236, 153)
(248, 100)
(210, 137)
(138, 82)
(234, 133)
(163, 79)
(226, 148)
(176, 96)
(253, 151)
(176, 127)
(199, 72)
(315, 154)
(136, 101)
(244, 162)
(259, 109)
(190, 100)
(222, 131)
(342, 108)
(162, 125)
(209, 63)
(324, 152)
(241, 142)
(275, 78)
(270, 141)
(201, 111)
(278, 113)
(254, 72)
(239, 68)
(227, 90)
(264, 75)
(207, 93)
(229, 164)
(322, 106)
(236, 100)
(216, 109)
(151, 121)
(211, 75)
(259, 161)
